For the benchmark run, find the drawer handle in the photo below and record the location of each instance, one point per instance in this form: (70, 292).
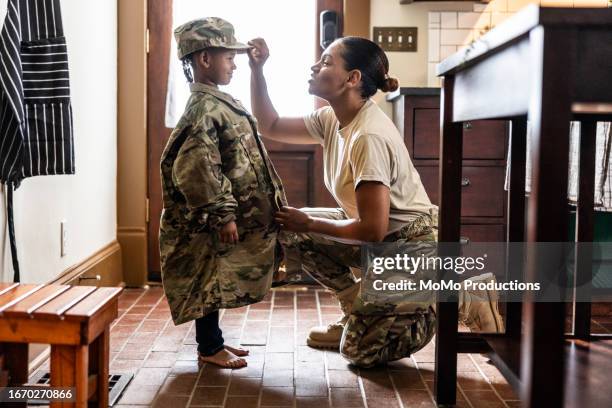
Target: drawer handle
(465, 182)
(467, 125)
(97, 277)
(464, 240)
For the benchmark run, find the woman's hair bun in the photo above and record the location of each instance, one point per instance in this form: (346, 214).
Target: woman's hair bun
(390, 85)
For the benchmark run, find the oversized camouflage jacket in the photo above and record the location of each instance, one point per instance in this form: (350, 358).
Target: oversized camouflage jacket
(215, 169)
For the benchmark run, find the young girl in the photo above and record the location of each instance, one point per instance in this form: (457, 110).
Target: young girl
(220, 192)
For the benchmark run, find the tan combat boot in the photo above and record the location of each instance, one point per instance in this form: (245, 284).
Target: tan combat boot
(478, 308)
(329, 336)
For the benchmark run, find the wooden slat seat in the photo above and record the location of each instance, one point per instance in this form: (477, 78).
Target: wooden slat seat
(74, 320)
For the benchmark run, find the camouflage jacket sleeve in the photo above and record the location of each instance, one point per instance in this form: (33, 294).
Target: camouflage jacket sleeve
(197, 173)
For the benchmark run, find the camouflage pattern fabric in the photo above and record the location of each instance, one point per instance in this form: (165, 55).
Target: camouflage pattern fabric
(206, 32)
(215, 169)
(375, 333)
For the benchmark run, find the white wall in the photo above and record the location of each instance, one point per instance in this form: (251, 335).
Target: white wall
(86, 200)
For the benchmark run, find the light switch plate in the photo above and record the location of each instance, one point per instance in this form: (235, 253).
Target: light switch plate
(402, 39)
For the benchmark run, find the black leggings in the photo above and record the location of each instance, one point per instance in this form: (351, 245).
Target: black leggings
(208, 334)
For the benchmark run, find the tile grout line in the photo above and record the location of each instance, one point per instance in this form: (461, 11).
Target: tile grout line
(138, 327)
(362, 389)
(325, 362)
(395, 390)
(151, 347)
(487, 380)
(430, 392)
(465, 397)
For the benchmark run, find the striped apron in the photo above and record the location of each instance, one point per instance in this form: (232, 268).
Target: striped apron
(35, 112)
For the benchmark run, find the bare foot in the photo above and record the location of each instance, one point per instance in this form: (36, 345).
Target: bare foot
(240, 352)
(225, 359)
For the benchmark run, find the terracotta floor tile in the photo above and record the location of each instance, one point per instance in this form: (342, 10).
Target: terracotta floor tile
(277, 396)
(407, 379)
(505, 391)
(277, 378)
(309, 354)
(151, 376)
(316, 387)
(416, 399)
(254, 369)
(346, 397)
(125, 366)
(484, 399)
(401, 365)
(312, 402)
(187, 352)
(178, 385)
(342, 379)
(139, 394)
(244, 386)
(255, 333)
(472, 380)
(185, 367)
(174, 401)
(214, 376)
(241, 402)
(160, 359)
(208, 396)
(258, 315)
(390, 402)
(279, 361)
(336, 362)
(153, 325)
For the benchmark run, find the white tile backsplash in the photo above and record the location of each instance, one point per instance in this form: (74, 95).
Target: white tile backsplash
(448, 19)
(433, 45)
(455, 37)
(446, 51)
(434, 17)
(473, 20)
(448, 31)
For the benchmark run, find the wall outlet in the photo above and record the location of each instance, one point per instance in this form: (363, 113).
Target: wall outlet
(63, 238)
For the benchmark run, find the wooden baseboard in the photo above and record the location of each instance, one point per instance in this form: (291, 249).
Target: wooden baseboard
(102, 268)
(133, 242)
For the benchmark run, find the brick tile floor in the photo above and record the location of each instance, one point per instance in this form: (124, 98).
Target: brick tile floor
(282, 370)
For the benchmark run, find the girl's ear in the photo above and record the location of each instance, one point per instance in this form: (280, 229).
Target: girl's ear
(354, 78)
(203, 58)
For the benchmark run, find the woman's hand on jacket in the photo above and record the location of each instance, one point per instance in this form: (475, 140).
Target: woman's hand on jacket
(292, 219)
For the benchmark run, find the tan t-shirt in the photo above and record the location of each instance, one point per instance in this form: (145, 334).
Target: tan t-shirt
(369, 148)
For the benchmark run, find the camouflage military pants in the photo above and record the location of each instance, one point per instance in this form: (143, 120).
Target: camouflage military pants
(367, 339)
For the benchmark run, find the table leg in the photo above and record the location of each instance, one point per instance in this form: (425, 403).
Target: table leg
(516, 219)
(69, 369)
(551, 82)
(445, 376)
(16, 362)
(585, 221)
(99, 352)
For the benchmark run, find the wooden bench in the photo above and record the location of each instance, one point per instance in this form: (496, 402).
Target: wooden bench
(75, 321)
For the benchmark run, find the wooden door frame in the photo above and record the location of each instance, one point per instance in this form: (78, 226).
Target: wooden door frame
(159, 17)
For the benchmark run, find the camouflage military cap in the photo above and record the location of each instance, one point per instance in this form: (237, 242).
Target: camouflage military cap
(204, 33)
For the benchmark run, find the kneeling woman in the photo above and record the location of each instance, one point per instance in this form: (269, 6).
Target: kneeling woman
(369, 173)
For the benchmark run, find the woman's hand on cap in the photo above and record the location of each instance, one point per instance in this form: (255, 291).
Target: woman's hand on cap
(258, 53)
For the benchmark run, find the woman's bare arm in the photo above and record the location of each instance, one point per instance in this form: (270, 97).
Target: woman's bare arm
(286, 130)
(373, 204)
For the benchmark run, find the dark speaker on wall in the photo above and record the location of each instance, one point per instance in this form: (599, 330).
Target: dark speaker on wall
(329, 26)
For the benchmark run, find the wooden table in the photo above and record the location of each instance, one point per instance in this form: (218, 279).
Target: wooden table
(74, 320)
(550, 66)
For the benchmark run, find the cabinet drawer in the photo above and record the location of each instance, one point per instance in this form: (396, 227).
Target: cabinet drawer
(481, 139)
(482, 232)
(482, 191)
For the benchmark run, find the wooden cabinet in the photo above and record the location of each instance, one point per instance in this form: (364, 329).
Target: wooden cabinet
(416, 113)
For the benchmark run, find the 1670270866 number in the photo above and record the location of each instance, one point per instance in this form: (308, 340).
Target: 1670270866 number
(35, 393)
